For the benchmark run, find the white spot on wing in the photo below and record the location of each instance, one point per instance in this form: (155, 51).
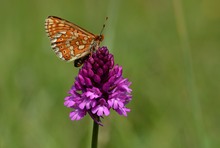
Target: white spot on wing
(53, 40)
(63, 32)
(81, 47)
(61, 25)
(78, 55)
(56, 49)
(53, 45)
(71, 52)
(49, 20)
(59, 54)
(71, 47)
(74, 37)
(76, 34)
(84, 42)
(57, 35)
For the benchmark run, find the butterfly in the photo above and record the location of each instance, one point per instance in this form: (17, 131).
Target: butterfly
(71, 42)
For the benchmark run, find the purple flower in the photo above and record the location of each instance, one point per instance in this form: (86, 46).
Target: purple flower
(98, 88)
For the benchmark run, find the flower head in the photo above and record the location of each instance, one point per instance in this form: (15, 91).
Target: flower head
(98, 88)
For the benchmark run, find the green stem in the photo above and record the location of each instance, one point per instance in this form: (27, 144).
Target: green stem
(95, 134)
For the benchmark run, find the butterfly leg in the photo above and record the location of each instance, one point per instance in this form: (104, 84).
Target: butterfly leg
(92, 50)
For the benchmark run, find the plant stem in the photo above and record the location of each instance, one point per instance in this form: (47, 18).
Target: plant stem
(95, 134)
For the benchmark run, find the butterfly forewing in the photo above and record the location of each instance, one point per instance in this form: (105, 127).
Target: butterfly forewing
(69, 41)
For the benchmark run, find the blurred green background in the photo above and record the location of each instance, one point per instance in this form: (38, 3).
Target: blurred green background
(170, 51)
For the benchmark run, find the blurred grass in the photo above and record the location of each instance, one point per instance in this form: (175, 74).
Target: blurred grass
(175, 78)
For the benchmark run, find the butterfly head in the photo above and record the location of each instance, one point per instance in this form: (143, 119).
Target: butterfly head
(99, 38)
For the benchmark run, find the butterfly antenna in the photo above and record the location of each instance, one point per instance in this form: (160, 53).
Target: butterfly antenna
(103, 25)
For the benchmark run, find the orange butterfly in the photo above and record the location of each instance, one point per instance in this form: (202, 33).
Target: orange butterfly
(71, 42)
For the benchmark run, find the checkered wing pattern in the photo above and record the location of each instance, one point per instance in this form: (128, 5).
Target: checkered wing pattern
(69, 41)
